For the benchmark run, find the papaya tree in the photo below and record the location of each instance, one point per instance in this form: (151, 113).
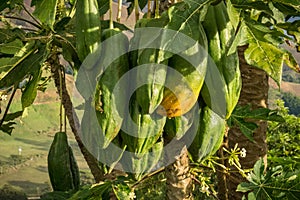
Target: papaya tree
(158, 99)
(260, 57)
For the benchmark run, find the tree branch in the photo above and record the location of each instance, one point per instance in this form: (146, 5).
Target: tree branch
(74, 121)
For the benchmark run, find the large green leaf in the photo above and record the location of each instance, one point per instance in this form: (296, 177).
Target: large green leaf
(277, 183)
(30, 92)
(250, 4)
(103, 6)
(8, 35)
(261, 51)
(45, 11)
(11, 47)
(23, 68)
(183, 18)
(8, 63)
(242, 114)
(295, 4)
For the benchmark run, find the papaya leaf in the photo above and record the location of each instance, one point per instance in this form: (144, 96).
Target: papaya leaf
(8, 35)
(11, 47)
(30, 91)
(249, 4)
(8, 63)
(183, 18)
(18, 72)
(234, 14)
(103, 6)
(277, 183)
(247, 128)
(261, 52)
(242, 113)
(45, 11)
(295, 4)
(94, 192)
(292, 29)
(259, 114)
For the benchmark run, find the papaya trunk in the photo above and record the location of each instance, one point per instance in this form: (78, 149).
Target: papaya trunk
(74, 121)
(254, 92)
(179, 181)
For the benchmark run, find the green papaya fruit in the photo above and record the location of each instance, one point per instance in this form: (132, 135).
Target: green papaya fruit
(150, 94)
(62, 167)
(209, 135)
(109, 97)
(220, 34)
(141, 131)
(88, 27)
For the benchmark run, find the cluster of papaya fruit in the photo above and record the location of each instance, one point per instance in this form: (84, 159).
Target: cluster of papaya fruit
(162, 109)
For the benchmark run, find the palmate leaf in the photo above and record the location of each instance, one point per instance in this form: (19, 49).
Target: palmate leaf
(11, 47)
(8, 35)
(295, 4)
(242, 114)
(277, 183)
(8, 63)
(261, 51)
(250, 4)
(20, 69)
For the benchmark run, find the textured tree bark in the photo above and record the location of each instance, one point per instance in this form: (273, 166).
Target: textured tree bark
(74, 121)
(179, 181)
(254, 92)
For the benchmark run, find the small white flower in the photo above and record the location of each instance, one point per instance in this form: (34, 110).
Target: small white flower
(3, 97)
(132, 195)
(243, 153)
(204, 189)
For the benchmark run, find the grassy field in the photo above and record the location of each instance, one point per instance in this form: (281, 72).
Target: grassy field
(34, 133)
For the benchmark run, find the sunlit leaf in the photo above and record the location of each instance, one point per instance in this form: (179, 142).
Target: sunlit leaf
(18, 72)
(261, 52)
(45, 11)
(275, 184)
(30, 91)
(11, 47)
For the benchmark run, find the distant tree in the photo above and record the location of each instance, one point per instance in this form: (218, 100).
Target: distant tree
(292, 102)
